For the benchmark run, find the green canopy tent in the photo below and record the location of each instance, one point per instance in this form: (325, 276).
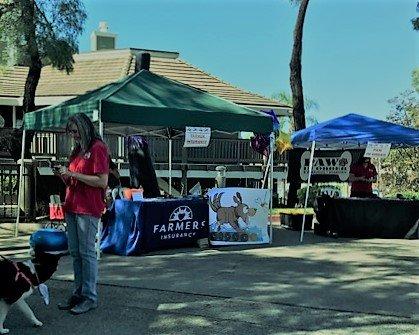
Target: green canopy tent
(148, 103)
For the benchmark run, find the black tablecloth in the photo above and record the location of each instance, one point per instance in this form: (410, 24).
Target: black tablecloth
(354, 217)
(134, 227)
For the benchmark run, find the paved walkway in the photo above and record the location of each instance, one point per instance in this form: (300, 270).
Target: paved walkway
(322, 286)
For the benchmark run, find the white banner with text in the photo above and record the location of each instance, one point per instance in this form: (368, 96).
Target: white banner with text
(197, 137)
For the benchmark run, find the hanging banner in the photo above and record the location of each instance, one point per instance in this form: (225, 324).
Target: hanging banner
(377, 150)
(238, 216)
(328, 165)
(197, 137)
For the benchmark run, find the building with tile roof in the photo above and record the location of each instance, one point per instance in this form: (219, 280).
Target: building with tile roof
(97, 68)
(100, 67)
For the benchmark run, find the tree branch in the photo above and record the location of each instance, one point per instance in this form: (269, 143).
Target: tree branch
(49, 24)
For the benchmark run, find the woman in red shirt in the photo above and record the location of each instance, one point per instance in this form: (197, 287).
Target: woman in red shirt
(86, 179)
(362, 175)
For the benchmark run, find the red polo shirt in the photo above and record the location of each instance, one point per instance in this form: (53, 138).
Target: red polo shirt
(358, 170)
(81, 198)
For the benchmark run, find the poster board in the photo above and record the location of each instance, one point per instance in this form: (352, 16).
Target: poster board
(377, 150)
(196, 137)
(238, 216)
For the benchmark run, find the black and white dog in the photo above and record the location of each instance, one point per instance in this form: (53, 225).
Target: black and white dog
(18, 280)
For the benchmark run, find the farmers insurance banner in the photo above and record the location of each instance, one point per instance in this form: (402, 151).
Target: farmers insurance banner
(238, 216)
(328, 165)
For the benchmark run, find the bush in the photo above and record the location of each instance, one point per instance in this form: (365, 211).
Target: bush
(312, 193)
(410, 195)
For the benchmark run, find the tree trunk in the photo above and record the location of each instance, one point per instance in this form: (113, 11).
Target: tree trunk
(297, 90)
(29, 96)
(35, 67)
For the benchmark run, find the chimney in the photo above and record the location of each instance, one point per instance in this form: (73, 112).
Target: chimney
(102, 39)
(103, 26)
(142, 61)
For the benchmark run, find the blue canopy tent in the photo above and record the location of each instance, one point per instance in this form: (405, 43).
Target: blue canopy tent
(355, 131)
(351, 131)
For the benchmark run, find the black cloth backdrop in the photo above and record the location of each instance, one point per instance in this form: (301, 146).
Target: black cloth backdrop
(378, 218)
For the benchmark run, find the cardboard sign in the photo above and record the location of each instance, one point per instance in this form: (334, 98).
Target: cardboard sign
(197, 137)
(377, 150)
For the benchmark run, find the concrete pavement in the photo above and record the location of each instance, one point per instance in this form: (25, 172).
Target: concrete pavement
(322, 286)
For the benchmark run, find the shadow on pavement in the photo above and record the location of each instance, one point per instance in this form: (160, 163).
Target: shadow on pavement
(321, 286)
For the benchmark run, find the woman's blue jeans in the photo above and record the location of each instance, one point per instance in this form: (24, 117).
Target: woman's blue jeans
(81, 231)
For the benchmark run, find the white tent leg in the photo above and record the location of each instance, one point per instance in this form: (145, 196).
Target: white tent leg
(101, 128)
(271, 184)
(19, 194)
(310, 166)
(170, 166)
(268, 166)
(14, 117)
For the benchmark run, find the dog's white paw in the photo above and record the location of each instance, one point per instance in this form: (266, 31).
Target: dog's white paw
(37, 323)
(4, 331)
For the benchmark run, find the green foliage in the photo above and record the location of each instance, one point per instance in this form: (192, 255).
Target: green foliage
(56, 27)
(415, 23)
(314, 191)
(415, 20)
(7, 183)
(399, 173)
(410, 195)
(405, 109)
(415, 79)
(310, 106)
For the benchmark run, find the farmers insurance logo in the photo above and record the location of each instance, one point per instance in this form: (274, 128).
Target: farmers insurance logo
(180, 225)
(326, 165)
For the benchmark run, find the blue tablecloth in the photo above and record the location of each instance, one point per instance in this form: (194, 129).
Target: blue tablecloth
(135, 227)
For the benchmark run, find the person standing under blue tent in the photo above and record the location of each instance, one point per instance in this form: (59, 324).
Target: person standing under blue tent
(362, 175)
(86, 179)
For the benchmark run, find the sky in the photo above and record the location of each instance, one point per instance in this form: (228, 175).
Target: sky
(357, 54)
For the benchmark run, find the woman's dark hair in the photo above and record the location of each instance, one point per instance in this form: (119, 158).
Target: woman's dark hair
(363, 159)
(87, 133)
(112, 165)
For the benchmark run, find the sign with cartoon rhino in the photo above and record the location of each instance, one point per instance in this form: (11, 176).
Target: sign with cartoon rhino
(238, 216)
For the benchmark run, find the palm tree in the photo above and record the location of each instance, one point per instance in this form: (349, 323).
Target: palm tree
(310, 105)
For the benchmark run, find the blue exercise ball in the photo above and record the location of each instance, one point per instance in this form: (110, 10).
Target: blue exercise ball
(49, 240)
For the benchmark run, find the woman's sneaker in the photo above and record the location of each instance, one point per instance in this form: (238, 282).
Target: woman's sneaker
(70, 303)
(83, 307)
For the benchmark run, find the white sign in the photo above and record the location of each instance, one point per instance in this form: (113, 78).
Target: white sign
(326, 165)
(238, 216)
(377, 150)
(197, 137)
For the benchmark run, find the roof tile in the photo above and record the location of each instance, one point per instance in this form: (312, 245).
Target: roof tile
(95, 69)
